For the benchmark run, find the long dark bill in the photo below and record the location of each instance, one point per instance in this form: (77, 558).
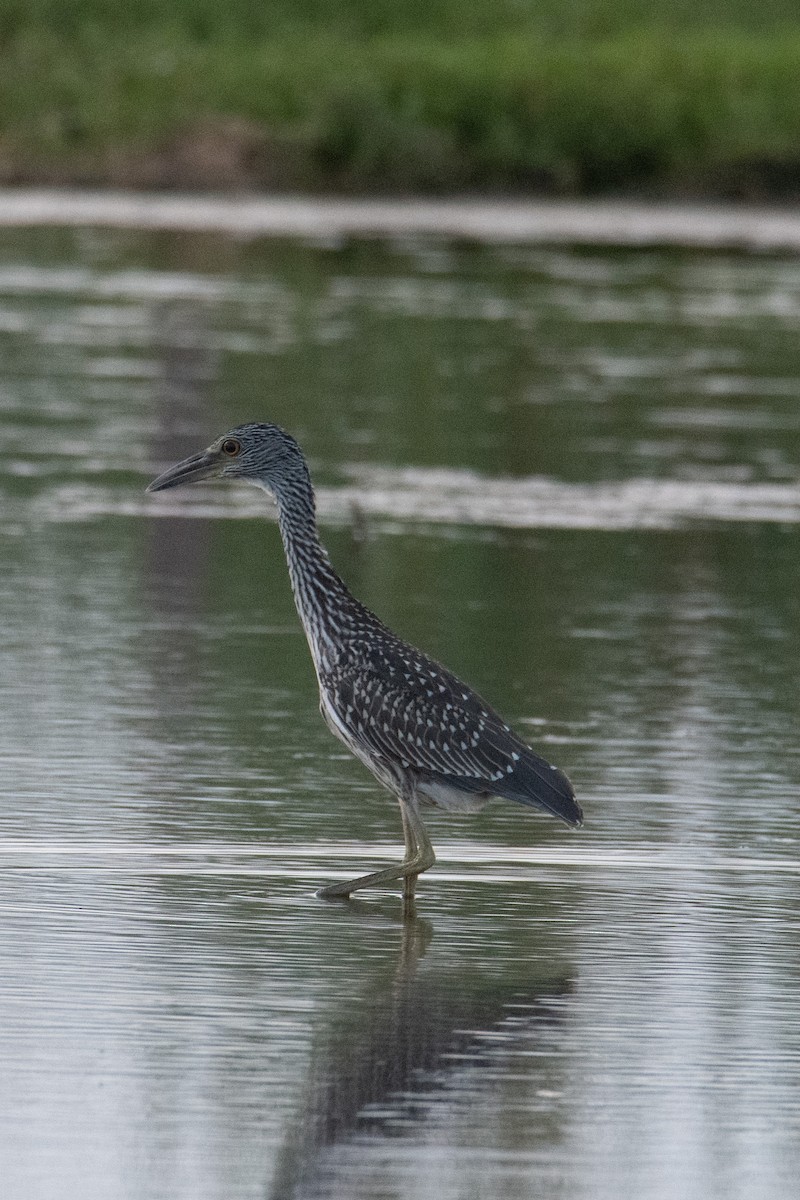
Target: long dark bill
(191, 470)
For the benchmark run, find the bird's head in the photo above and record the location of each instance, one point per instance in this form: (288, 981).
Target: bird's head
(262, 454)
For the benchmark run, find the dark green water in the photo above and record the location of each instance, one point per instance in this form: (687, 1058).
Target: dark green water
(574, 477)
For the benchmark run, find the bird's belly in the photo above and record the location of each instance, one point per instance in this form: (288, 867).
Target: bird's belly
(428, 791)
(340, 730)
(451, 799)
(337, 727)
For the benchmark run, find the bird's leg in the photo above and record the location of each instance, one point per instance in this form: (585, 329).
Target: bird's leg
(419, 856)
(418, 851)
(412, 849)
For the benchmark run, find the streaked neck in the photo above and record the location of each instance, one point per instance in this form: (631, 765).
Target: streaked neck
(322, 599)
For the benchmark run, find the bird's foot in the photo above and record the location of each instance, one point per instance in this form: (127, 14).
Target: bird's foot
(408, 871)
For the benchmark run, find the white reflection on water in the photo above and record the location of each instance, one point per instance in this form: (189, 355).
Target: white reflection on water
(413, 496)
(459, 862)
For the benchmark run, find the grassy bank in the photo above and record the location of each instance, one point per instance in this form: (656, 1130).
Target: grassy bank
(435, 97)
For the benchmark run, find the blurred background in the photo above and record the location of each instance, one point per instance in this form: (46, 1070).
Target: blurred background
(570, 472)
(688, 97)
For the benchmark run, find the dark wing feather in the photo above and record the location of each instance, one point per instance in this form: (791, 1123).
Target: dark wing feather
(411, 711)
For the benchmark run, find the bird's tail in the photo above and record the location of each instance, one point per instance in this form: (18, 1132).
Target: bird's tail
(534, 781)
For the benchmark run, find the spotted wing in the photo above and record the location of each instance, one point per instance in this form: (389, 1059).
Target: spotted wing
(408, 710)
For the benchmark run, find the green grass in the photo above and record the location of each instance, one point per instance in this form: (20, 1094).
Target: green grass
(563, 98)
(210, 20)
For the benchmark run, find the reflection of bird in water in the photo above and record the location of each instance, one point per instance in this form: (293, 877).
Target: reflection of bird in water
(423, 733)
(409, 1051)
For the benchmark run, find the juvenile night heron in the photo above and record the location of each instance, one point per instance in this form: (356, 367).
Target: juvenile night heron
(425, 735)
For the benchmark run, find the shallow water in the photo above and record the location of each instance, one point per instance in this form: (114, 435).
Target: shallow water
(574, 477)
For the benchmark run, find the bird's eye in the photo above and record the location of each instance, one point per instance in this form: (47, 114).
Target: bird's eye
(231, 447)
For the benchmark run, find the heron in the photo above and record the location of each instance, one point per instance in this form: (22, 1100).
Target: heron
(429, 738)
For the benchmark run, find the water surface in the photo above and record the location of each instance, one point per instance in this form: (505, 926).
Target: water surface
(571, 475)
